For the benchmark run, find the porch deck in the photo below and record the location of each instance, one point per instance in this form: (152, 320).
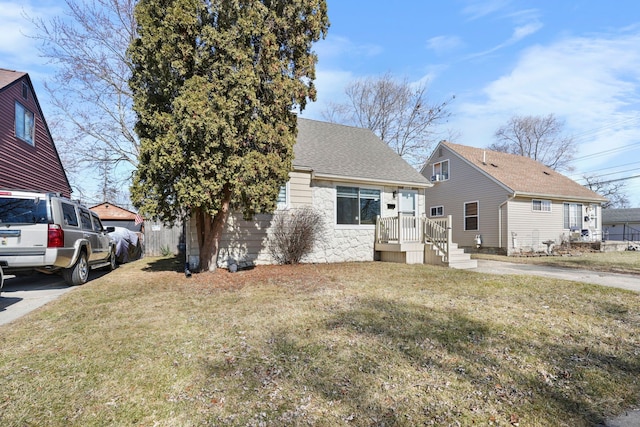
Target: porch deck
(419, 240)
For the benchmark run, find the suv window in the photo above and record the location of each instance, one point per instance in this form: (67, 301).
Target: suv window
(85, 218)
(25, 211)
(69, 214)
(97, 225)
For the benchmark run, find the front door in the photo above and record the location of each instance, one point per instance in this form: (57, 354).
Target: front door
(408, 202)
(410, 226)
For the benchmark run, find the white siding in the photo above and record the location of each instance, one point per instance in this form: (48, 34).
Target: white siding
(527, 229)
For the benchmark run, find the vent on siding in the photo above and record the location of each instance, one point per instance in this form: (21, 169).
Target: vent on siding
(25, 90)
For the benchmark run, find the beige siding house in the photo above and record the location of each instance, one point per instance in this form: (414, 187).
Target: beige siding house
(346, 173)
(508, 203)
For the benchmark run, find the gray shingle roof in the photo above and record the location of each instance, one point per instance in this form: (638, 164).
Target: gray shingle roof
(524, 175)
(352, 153)
(616, 216)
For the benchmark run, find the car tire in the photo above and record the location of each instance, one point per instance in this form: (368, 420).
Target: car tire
(78, 274)
(112, 260)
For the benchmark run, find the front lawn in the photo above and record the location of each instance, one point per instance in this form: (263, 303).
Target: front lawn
(325, 345)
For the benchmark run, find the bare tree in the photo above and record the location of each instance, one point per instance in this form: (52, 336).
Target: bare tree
(537, 137)
(611, 189)
(397, 111)
(93, 117)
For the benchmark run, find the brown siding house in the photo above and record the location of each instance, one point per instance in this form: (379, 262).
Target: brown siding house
(28, 157)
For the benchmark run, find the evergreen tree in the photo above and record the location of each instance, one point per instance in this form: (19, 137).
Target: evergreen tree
(215, 83)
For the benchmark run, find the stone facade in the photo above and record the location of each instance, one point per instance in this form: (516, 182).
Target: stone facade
(245, 242)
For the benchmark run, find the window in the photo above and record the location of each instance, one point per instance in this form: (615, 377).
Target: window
(437, 211)
(25, 90)
(441, 171)
(85, 219)
(97, 225)
(572, 216)
(541, 205)
(283, 199)
(25, 211)
(24, 123)
(69, 214)
(471, 216)
(358, 206)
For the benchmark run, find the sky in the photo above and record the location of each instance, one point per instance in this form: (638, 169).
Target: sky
(578, 60)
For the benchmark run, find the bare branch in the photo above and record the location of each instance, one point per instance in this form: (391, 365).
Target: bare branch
(537, 137)
(396, 111)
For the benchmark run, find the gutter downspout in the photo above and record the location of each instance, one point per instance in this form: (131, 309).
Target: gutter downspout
(511, 197)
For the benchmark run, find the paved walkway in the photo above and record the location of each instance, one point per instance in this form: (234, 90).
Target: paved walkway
(623, 281)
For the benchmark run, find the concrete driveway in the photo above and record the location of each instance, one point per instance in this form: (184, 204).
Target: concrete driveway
(623, 281)
(20, 295)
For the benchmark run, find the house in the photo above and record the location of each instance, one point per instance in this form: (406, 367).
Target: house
(621, 224)
(115, 216)
(508, 203)
(346, 173)
(29, 159)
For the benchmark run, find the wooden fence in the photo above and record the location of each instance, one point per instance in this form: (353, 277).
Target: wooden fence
(160, 240)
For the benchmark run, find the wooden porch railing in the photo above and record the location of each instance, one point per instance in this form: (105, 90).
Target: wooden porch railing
(412, 229)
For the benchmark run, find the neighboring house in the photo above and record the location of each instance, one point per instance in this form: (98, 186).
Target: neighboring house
(346, 173)
(115, 216)
(621, 224)
(508, 203)
(29, 158)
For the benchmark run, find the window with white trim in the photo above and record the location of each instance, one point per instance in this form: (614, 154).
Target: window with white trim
(25, 122)
(441, 171)
(437, 211)
(572, 216)
(541, 205)
(471, 216)
(283, 197)
(357, 206)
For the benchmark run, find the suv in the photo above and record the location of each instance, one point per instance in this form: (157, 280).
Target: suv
(50, 233)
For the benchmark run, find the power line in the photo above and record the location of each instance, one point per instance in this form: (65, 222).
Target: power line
(612, 150)
(619, 179)
(607, 174)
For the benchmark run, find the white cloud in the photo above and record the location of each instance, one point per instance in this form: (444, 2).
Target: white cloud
(330, 86)
(591, 83)
(18, 48)
(481, 8)
(337, 46)
(444, 44)
(523, 31)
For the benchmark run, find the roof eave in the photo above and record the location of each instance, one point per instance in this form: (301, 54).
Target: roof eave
(560, 197)
(355, 179)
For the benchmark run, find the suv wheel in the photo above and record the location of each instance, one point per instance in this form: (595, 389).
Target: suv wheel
(79, 273)
(112, 260)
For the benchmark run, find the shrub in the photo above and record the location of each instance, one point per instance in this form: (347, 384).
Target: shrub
(294, 233)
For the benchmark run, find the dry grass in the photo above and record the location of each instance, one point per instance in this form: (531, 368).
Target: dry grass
(612, 262)
(326, 345)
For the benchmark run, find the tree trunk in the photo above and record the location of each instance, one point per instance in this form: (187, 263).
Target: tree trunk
(209, 229)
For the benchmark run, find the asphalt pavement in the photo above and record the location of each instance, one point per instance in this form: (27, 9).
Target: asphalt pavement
(23, 294)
